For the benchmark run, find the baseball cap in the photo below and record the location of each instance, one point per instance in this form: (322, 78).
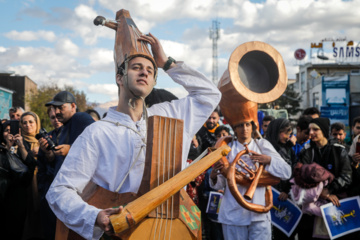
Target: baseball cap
(61, 98)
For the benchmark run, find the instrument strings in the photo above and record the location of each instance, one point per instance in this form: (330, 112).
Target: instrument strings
(167, 136)
(173, 174)
(158, 175)
(137, 34)
(163, 175)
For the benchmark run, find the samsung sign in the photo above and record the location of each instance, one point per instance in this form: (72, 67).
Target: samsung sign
(345, 52)
(339, 48)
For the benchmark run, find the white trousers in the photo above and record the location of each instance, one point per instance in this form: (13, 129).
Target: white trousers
(255, 231)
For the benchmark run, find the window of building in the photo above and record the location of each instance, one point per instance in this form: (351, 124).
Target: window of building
(316, 100)
(302, 81)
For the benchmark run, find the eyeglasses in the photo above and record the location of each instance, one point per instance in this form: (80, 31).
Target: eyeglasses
(358, 128)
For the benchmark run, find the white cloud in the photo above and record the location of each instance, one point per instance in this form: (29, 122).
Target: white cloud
(44, 64)
(31, 36)
(107, 89)
(67, 47)
(286, 25)
(85, 12)
(101, 59)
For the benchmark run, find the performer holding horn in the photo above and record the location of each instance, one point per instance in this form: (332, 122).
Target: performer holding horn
(111, 152)
(256, 74)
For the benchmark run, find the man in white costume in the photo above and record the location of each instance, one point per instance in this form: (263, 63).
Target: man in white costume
(113, 150)
(238, 222)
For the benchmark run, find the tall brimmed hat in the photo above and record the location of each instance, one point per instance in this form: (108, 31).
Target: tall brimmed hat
(127, 45)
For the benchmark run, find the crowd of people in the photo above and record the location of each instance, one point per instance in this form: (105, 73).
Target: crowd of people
(311, 143)
(42, 175)
(30, 160)
(284, 148)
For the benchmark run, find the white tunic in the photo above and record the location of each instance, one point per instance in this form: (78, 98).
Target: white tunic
(104, 152)
(231, 212)
(352, 149)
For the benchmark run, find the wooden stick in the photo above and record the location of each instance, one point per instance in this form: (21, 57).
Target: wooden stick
(100, 20)
(137, 210)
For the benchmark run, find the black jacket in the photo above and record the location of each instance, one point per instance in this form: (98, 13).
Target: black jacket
(208, 139)
(288, 155)
(332, 157)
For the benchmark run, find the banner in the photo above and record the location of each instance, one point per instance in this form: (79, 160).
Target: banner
(5, 103)
(342, 220)
(335, 91)
(213, 205)
(285, 215)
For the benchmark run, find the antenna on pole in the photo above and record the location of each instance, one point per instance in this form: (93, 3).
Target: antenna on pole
(214, 35)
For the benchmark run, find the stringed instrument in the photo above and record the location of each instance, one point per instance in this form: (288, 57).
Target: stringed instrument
(158, 210)
(161, 208)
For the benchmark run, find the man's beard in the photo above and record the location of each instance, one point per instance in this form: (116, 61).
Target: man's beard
(210, 125)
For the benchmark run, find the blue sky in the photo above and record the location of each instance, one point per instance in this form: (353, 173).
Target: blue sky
(56, 41)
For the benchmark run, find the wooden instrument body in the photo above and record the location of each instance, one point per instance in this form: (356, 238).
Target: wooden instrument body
(148, 228)
(155, 202)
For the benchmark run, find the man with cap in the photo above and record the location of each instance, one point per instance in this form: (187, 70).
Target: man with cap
(334, 158)
(111, 152)
(74, 123)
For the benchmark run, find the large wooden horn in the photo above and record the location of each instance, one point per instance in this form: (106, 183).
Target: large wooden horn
(256, 74)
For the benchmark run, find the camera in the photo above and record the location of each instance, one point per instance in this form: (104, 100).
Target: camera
(44, 134)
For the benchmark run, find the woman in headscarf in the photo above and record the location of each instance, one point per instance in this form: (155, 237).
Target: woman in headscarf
(278, 134)
(30, 126)
(13, 186)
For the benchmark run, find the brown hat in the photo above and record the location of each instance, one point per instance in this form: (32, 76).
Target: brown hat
(126, 44)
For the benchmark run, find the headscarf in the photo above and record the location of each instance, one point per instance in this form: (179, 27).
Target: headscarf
(273, 131)
(30, 138)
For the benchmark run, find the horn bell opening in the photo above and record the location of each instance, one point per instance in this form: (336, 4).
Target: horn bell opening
(258, 72)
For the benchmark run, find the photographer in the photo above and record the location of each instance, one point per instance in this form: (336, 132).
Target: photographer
(62, 111)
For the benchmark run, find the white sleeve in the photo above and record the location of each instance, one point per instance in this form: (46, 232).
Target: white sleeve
(220, 183)
(353, 146)
(196, 107)
(63, 195)
(277, 167)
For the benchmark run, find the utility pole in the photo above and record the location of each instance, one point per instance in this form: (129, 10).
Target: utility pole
(214, 35)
